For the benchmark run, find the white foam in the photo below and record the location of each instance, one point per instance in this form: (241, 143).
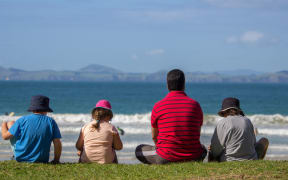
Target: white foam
(207, 130)
(261, 119)
(134, 144)
(132, 119)
(144, 119)
(277, 157)
(71, 118)
(68, 144)
(278, 147)
(273, 131)
(134, 130)
(8, 118)
(70, 129)
(138, 124)
(131, 130)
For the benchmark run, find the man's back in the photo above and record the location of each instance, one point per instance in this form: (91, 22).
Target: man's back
(34, 135)
(179, 120)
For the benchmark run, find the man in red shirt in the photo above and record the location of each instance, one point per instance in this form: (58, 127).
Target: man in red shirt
(176, 124)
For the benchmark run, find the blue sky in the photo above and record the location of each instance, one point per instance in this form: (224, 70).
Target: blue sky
(145, 35)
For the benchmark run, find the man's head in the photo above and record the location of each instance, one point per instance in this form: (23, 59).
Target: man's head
(176, 80)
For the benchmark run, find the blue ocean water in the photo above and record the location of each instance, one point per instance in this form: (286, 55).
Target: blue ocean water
(265, 104)
(131, 98)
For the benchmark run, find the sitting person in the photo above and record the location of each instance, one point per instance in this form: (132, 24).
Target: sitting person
(99, 139)
(34, 133)
(234, 138)
(176, 124)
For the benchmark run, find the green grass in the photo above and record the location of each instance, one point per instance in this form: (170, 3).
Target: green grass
(190, 170)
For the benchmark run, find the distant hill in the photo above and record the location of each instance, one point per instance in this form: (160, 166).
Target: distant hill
(95, 68)
(240, 72)
(99, 73)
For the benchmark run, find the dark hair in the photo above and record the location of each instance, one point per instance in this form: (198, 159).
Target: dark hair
(233, 112)
(100, 113)
(176, 80)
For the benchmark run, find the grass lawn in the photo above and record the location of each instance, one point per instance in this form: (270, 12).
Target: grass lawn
(190, 170)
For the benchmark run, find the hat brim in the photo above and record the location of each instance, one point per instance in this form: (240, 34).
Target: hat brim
(31, 109)
(103, 108)
(221, 112)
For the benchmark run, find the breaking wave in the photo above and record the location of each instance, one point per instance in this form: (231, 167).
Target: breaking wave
(142, 119)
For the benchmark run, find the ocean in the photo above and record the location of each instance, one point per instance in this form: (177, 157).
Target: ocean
(265, 104)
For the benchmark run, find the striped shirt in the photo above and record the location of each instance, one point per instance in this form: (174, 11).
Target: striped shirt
(178, 119)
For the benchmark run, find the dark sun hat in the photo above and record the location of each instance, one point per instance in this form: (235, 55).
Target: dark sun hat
(230, 103)
(40, 103)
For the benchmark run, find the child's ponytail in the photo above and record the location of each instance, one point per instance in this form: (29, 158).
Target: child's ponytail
(97, 117)
(99, 114)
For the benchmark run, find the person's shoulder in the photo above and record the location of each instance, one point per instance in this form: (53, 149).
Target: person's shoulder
(28, 116)
(221, 121)
(86, 127)
(238, 118)
(108, 124)
(106, 127)
(49, 118)
(158, 103)
(192, 100)
(247, 119)
(87, 124)
(231, 121)
(225, 121)
(25, 117)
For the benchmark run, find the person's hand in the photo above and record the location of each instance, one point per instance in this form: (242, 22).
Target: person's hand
(209, 148)
(55, 161)
(114, 133)
(79, 153)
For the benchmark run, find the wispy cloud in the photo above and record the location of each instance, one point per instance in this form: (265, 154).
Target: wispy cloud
(155, 52)
(247, 3)
(248, 37)
(251, 37)
(162, 15)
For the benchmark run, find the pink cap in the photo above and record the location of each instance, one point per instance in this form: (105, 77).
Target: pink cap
(104, 104)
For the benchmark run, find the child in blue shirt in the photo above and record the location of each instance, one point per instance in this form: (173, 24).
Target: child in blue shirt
(34, 133)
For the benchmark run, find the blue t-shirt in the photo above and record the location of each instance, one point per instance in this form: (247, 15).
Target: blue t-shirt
(34, 135)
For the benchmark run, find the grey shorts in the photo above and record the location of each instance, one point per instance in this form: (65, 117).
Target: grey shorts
(147, 155)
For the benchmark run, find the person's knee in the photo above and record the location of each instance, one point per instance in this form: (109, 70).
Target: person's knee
(264, 141)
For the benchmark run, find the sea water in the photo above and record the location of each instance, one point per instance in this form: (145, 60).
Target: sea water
(265, 104)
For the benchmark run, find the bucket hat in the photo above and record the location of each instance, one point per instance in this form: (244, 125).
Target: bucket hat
(103, 104)
(230, 103)
(40, 103)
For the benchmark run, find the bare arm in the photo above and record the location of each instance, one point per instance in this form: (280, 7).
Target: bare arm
(57, 150)
(5, 133)
(154, 134)
(80, 142)
(117, 143)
